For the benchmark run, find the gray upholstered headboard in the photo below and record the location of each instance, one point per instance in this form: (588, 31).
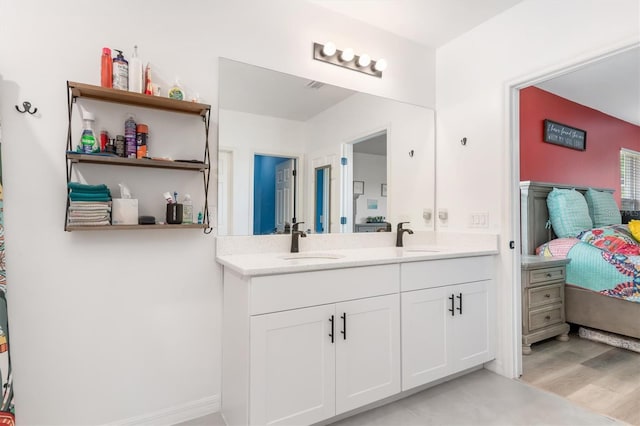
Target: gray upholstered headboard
(534, 213)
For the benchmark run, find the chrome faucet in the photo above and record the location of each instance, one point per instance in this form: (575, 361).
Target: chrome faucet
(295, 233)
(401, 231)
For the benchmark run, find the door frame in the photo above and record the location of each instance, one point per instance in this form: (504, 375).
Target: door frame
(299, 191)
(326, 197)
(512, 151)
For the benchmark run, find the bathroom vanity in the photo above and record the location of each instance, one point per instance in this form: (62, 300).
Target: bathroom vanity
(313, 335)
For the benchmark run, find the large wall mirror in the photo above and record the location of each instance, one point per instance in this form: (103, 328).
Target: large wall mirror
(297, 150)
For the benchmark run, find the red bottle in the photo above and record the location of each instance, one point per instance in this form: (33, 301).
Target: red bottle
(106, 72)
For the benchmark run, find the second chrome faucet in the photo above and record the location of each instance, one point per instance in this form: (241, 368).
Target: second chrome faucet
(401, 232)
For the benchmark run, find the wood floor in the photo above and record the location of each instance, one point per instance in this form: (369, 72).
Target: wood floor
(596, 376)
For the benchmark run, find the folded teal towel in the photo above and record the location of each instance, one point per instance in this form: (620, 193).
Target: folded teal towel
(75, 186)
(75, 196)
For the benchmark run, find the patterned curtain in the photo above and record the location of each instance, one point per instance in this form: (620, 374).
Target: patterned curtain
(6, 381)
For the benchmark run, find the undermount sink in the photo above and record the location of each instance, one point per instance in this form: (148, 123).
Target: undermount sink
(311, 256)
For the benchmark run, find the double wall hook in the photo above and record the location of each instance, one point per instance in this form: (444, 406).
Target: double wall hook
(27, 108)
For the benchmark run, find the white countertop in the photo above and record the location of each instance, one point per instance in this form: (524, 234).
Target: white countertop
(282, 262)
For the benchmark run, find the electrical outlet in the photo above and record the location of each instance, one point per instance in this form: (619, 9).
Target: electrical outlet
(479, 220)
(443, 217)
(427, 214)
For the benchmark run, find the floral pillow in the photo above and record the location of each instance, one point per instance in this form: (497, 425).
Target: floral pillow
(557, 248)
(614, 239)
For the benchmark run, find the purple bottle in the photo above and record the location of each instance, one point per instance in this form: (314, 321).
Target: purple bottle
(130, 137)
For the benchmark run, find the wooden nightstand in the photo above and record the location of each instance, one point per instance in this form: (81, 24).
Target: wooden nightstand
(543, 281)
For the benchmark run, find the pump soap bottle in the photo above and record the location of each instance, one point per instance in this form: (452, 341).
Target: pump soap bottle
(120, 72)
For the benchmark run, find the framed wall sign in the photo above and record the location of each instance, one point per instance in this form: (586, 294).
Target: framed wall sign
(563, 135)
(358, 187)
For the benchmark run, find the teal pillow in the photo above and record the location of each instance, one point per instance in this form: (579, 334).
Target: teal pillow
(602, 208)
(568, 212)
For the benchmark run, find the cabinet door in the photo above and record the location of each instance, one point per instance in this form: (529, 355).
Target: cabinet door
(368, 356)
(424, 336)
(292, 367)
(469, 329)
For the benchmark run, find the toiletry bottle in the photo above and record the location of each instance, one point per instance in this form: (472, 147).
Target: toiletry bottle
(135, 72)
(89, 143)
(142, 136)
(120, 72)
(130, 145)
(148, 87)
(187, 209)
(106, 68)
(176, 92)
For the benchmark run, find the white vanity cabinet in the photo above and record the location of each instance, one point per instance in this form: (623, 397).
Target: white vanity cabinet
(447, 311)
(303, 347)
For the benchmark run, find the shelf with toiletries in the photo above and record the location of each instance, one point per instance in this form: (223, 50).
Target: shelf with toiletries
(97, 156)
(89, 91)
(76, 157)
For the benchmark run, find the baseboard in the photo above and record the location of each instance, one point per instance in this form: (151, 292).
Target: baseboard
(173, 415)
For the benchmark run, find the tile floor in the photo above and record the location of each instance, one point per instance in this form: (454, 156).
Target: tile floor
(479, 398)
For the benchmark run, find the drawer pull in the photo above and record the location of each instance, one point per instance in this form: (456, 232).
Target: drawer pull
(548, 274)
(332, 329)
(547, 318)
(452, 309)
(547, 295)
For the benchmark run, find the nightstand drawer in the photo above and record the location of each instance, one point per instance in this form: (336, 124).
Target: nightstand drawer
(545, 295)
(546, 274)
(541, 318)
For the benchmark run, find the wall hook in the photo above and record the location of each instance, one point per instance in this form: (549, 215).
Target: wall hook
(463, 141)
(27, 108)
(411, 153)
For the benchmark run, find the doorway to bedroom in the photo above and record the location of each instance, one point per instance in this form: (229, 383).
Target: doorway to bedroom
(584, 369)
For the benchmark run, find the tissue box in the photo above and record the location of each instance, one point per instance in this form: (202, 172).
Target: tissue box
(124, 211)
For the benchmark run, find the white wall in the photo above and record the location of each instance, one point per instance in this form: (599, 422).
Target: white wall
(474, 72)
(125, 325)
(411, 184)
(249, 134)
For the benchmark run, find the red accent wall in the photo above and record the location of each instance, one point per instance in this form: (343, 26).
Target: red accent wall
(598, 165)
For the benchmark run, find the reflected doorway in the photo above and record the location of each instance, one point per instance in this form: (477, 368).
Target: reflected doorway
(274, 194)
(322, 197)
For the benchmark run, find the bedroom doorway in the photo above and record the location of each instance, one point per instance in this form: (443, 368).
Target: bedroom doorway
(590, 373)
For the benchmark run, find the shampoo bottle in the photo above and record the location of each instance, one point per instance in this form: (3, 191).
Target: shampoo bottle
(120, 72)
(187, 209)
(135, 72)
(106, 68)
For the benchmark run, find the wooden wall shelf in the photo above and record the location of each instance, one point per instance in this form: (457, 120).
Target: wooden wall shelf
(132, 227)
(135, 162)
(89, 91)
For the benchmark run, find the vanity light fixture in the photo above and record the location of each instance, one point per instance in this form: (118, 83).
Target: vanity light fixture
(348, 59)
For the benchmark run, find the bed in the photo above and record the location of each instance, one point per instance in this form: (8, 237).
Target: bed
(584, 307)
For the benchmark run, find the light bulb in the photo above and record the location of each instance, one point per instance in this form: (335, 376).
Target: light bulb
(329, 49)
(364, 60)
(380, 65)
(347, 55)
